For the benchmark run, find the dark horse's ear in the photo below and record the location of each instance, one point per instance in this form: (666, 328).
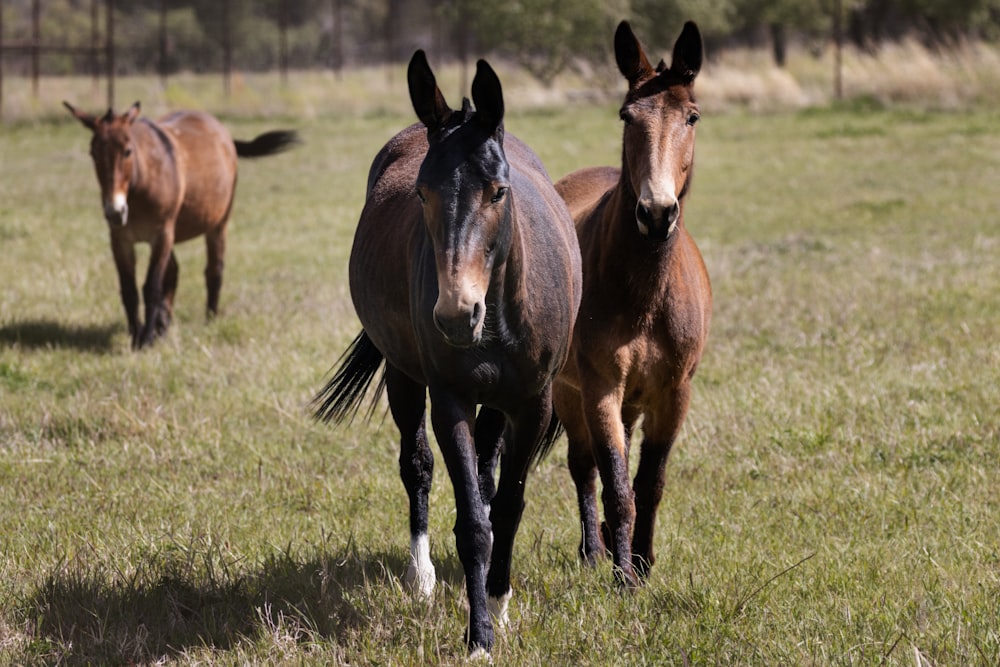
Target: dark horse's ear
(89, 121)
(687, 53)
(132, 113)
(428, 102)
(632, 60)
(487, 95)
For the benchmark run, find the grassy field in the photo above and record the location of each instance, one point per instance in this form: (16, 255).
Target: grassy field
(832, 501)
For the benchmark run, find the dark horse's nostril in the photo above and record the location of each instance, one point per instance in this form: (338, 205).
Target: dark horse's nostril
(477, 315)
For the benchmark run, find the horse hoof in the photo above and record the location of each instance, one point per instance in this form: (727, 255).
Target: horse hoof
(498, 609)
(420, 581)
(479, 654)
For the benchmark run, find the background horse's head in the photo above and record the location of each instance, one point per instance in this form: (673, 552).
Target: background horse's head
(113, 151)
(660, 113)
(463, 186)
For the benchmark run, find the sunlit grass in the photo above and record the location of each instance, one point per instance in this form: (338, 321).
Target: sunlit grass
(831, 500)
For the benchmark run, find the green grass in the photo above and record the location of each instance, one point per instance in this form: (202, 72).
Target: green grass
(832, 500)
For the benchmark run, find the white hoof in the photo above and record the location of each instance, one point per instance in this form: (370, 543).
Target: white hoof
(420, 575)
(498, 610)
(480, 654)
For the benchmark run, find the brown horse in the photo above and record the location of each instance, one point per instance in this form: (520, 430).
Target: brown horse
(163, 183)
(465, 274)
(646, 305)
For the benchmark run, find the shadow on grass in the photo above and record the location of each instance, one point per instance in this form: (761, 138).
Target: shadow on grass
(36, 334)
(108, 618)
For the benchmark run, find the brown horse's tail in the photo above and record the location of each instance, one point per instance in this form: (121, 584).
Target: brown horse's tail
(268, 143)
(341, 398)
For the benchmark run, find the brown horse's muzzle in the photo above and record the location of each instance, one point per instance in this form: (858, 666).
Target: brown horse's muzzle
(657, 222)
(116, 211)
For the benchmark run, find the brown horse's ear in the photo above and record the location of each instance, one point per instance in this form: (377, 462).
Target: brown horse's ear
(632, 60)
(687, 53)
(428, 102)
(89, 121)
(132, 113)
(487, 94)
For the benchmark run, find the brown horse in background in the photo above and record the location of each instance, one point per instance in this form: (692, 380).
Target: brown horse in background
(646, 305)
(163, 183)
(465, 274)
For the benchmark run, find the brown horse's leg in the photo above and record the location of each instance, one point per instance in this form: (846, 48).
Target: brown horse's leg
(152, 289)
(407, 401)
(452, 418)
(583, 470)
(528, 427)
(609, 437)
(166, 314)
(660, 430)
(215, 241)
(124, 254)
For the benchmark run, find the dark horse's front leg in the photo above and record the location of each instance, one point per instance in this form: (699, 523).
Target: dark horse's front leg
(528, 426)
(407, 402)
(157, 312)
(452, 418)
(124, 253)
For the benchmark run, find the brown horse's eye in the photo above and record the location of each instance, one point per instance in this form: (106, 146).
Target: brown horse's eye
(499, 195)
(127, 152)
(626, 116)
(693, 119)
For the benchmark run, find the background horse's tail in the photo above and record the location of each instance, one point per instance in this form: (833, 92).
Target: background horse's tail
(341, 398)
(268, 143)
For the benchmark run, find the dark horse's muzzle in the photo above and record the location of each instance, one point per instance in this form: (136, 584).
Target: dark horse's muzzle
(657, 222)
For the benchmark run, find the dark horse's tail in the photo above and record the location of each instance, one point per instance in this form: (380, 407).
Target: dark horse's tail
(552, 433)
(269, 143)
(341, 398)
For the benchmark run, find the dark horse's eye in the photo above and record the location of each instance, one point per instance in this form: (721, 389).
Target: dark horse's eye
(421, 197)
(499, 195)
(693, 118)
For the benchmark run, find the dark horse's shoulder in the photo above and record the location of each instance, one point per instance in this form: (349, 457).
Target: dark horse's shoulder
(410, 145)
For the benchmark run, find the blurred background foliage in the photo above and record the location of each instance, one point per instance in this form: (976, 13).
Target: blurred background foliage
(546, 37)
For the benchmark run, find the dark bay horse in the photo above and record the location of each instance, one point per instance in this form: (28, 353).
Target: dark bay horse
(646, 305)
(162, 183)
(465, 274)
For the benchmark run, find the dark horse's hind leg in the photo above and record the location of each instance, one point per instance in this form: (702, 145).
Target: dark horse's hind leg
(660, 431)
(416, 468)
(528, 427)
(490, 425)
(215, 243)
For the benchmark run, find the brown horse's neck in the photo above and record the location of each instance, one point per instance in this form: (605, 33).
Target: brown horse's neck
(155, 160)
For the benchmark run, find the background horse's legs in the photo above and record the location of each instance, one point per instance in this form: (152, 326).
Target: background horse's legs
(152, 289)
(660, 429)
(166, 314)
(215, 244)
(528, 427)
(124, 254)
(583, 470)
(452, 420)
(407, 400)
